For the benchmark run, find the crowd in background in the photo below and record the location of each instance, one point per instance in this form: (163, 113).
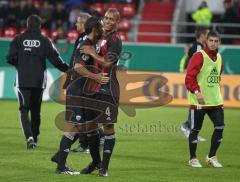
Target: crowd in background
(61, 15)
(53, 13)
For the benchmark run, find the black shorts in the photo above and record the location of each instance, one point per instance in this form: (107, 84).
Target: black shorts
(108, 106)
(98, 108)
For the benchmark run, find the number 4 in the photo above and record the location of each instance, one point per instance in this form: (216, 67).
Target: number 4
(107, 112)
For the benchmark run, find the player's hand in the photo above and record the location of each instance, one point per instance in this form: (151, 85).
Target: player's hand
(200, 98)
(86, 50)
(102, 78)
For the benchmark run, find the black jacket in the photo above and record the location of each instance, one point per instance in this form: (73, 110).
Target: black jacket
(28, 53)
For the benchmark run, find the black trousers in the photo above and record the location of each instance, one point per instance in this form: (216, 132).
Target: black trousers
(30, 99)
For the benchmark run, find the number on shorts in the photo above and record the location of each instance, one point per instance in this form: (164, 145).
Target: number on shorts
(107, 112)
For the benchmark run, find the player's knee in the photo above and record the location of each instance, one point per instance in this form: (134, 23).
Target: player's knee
(92, 136)
(219, 126)
(108, 128)
(24, 109)
(69, 135)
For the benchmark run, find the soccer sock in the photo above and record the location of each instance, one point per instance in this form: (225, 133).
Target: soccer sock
(215, 142)
(193, 143)
(93, 141)
(108, 149)
(65, 145)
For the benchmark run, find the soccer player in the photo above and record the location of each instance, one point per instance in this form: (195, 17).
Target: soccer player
(81, 20)
(28, 53)
(203, 82)
(201, 37)
(93, 30)
(107, 53)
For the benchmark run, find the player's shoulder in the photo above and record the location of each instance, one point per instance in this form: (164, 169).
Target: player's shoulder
(198, 55)
(82, 37)
(114, 37)
(86, 42)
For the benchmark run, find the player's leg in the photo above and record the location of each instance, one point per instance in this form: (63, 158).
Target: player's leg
(35, 108)
(93, 139)
(196, 121)
(24, 102)
(66, 142)
(109, 131)
(93, 142)
(217, 117)
(74, 115)
(108, 147)
(185, 128)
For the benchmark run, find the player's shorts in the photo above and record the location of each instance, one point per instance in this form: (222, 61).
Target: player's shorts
(109, 108)
(95, 107)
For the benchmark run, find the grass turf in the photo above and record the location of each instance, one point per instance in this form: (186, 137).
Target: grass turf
(149, 147)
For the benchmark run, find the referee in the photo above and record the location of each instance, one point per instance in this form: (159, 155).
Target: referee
(28, 52)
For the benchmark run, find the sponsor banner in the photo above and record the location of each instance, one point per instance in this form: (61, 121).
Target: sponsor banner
(174, 86)
(136, 87)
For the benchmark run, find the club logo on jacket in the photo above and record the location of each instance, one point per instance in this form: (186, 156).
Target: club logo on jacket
(28, 44)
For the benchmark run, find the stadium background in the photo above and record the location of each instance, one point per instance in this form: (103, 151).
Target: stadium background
(150, 146)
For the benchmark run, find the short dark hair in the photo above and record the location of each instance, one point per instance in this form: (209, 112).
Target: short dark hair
(84, 17)
(200, 30)
(213, 33)
(92, 22)
(34, 21)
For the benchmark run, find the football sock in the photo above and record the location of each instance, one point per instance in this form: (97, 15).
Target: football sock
(215, 141)
(93, 141)
(65, 145)
(108, 149)
(193, 143)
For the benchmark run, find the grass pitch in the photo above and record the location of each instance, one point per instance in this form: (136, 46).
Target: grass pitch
(149, 147)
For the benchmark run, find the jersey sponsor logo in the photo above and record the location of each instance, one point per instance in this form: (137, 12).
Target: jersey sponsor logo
(213, 79)
(31, 43)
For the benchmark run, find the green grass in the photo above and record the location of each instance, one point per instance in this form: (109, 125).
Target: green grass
(149, 147)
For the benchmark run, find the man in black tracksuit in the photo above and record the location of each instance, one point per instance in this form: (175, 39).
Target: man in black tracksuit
(28, 53)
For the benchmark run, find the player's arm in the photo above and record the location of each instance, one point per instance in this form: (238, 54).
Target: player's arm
(54, 57)
(101, 78)
(12, 56)
(113, 53)
(99, 59)
(194, 67)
